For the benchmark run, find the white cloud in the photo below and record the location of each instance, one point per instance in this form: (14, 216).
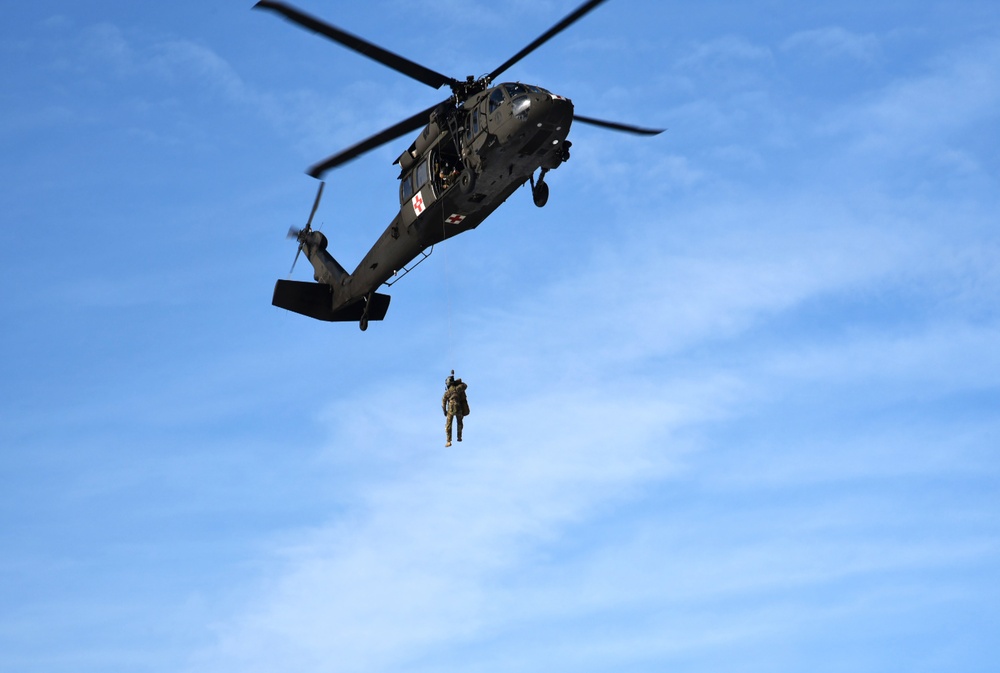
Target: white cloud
(834, 42)
(186, 61)
(724, 51)
(958, 90)
(106, 44)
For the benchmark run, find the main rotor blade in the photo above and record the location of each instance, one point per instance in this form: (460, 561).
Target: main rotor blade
(545, 37)
(411, 124)
(360, 45)
(615, 126)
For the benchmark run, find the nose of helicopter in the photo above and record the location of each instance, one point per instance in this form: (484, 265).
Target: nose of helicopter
(550, 109)
(560, 110)
(545, 118)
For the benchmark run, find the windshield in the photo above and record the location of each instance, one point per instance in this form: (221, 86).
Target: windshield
(514, 90)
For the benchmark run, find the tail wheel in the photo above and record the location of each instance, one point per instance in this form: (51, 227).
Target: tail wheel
(363, 323)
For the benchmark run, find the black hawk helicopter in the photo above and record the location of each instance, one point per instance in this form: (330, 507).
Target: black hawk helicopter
(476, 148)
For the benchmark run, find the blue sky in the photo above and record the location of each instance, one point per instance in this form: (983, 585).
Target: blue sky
(734, 389)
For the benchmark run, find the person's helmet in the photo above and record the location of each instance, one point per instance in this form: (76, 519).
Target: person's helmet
(450, 381)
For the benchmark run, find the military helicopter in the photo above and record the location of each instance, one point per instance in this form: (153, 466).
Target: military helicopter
(476, 149)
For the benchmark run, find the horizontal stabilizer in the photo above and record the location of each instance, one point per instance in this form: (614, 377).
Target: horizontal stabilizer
(315, 300)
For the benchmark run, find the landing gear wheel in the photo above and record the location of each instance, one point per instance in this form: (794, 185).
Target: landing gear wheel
(467, 181)
(540, 193)
(364, 323)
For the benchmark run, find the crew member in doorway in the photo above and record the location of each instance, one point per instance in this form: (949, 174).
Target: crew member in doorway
(447, 175)
(454, 404)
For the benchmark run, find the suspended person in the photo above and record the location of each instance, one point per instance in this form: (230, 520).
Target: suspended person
(454, 404)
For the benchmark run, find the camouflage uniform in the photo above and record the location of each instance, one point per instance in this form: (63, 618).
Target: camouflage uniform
(454, 404)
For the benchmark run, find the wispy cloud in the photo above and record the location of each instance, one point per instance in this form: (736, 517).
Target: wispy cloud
(724, 51)
(834, 42)
(608, 407)
(958, 90)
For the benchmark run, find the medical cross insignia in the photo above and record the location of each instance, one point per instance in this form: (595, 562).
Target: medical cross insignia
(418, 203)
(455, 219)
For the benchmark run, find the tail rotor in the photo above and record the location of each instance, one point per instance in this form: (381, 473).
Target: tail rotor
(302, 235)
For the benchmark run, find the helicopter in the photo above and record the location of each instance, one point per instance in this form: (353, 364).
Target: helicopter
(476, 149)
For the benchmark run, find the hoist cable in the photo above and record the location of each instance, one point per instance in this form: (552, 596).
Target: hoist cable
(447, 285)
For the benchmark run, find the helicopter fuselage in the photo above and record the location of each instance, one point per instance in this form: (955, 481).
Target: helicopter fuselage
(464, 164)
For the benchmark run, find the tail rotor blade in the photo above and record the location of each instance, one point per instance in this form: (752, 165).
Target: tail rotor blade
(300, 234)
(319, 195)
(295, 261)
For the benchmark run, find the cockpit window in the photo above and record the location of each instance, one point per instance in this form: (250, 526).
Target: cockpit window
(496, 100)
(515, 90)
